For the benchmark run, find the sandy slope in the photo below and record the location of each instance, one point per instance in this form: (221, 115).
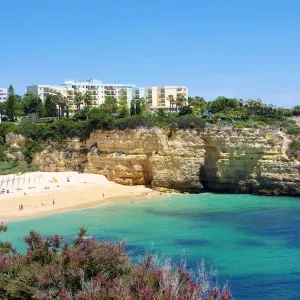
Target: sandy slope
(82, 190)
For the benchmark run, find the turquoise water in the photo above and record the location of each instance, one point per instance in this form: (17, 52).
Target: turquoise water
(254, 241)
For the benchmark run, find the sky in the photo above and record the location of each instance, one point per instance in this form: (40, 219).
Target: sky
(234, 48)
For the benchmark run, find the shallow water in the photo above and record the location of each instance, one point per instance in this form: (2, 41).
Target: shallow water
(254, 241)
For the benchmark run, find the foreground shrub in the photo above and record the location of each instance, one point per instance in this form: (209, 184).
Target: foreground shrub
(96, 270)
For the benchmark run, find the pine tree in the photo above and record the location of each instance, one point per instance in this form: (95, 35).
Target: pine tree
(11, 104)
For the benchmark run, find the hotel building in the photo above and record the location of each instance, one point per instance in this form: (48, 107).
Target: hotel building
(95, 88)
(3, 94)
(157, 96)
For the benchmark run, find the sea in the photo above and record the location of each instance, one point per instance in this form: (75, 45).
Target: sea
(253, 241)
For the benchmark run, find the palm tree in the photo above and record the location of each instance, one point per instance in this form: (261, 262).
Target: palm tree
(200, 103)
(61, 101)
(87, 99)
(171, 99)
(78, 100)
(180, 100)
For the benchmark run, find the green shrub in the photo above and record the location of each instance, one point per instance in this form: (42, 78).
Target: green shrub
(293, 130)
(6, 128)
(295, 145)
(131, 122)
(185, 110)
(185, 121)
(32, 148)
(2, 153)
(242, 124)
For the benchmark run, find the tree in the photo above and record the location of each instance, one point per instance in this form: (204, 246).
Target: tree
(11, 104)
(180, 100)
(33, 104)
(161, 112)
(61, 101)
(78, 99)
(50, 106)
(19, 108)
(87, 99)
(132, 108)
(110, 105)
(123, 111)
(296, 110)
(123, 97)
(172, 101)
(200, 103)
(138, 109)
(223, 104)
(143, 107)
(185, 110)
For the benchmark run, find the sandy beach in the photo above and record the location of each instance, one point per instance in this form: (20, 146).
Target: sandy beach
(69, 191)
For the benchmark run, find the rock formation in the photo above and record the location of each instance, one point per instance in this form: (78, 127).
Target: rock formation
(220, 159)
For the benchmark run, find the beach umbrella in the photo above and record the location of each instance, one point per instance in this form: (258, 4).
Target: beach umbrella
(13, 182)
(7, 181)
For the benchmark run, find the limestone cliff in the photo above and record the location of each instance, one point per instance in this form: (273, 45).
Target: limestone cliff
(220, 159)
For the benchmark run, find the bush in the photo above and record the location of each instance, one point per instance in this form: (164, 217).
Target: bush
(293, 130)
(295, 145)
(242, 124)
(185, 122)
(32, 147)
(131, 122)
(96, 270)
(6, 128)
(3, 149)
(185, 110)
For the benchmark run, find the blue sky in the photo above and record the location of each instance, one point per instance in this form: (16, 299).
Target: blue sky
(244, 49)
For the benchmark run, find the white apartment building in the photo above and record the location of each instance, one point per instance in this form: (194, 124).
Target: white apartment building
(97, 89)
(3, 94)
(157, 96)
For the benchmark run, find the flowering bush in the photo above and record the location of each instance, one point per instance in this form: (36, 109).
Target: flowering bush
(91, 270)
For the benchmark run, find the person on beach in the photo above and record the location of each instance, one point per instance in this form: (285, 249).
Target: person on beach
(22, 207)
(103, 195)
(53, 202)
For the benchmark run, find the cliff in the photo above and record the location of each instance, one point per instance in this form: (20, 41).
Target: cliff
(219, 159)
